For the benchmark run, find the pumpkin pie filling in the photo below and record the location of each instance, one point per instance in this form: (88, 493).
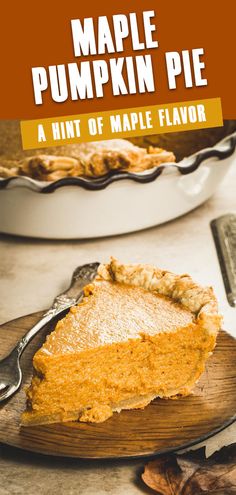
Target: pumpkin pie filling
(139, 333)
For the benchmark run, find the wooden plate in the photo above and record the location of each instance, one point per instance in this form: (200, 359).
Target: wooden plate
(162, 426)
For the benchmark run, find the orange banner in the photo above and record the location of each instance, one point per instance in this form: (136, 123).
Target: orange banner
(122, 123)
(45, 40)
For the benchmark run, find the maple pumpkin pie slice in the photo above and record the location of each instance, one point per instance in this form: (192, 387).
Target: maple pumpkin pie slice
(139, 333)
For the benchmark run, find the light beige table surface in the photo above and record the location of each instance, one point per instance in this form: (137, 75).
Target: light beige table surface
(32, 272)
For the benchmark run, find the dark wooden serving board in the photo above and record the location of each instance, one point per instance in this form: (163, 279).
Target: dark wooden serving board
(162, 426)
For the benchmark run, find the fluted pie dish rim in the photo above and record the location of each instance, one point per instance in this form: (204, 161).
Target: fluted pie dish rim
(220, 151)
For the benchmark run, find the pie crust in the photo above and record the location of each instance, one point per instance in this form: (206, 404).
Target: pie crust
(92, 160)
(201, 301)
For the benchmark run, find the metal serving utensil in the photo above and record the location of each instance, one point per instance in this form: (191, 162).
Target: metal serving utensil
(10, 370)
(224, 234)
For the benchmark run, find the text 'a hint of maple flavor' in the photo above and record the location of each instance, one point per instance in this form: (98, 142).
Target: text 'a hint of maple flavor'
(124, 123)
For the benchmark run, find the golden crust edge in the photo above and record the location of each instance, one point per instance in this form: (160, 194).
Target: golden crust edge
(201, 301)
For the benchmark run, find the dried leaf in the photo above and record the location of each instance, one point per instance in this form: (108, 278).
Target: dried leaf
(193, 474)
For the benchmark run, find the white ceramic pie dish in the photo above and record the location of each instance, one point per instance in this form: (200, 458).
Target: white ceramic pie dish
(121, 202)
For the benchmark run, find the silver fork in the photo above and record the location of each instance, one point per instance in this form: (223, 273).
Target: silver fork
(10, 370)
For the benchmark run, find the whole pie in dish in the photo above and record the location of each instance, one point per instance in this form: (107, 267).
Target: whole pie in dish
(89, 160)
(139, 333)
